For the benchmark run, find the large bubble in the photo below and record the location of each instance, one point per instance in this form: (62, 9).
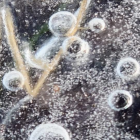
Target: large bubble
(49, 131)
(61, 23)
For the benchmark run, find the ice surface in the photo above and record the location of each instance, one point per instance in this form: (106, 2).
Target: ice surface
(73, 96)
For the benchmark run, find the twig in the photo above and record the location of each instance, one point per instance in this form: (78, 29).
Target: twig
(11, 39)
(79, 18)
(45, 74)
(57, 58)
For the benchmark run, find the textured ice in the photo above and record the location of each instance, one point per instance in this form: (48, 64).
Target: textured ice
(75, 97)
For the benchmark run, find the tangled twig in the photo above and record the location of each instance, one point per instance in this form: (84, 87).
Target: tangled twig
(11, 38)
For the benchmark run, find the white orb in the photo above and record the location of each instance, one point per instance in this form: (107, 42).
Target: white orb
(97, 25)
(75, 48)
(127, 97)
(128, 60)
(13, 80)
(62, 22)
(50, 130)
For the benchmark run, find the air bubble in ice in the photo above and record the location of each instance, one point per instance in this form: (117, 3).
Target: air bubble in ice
(128, 68)
(49, 131)
(75, 48)
(62, 22)
(97, 25)
(120, 100)
(13, 80)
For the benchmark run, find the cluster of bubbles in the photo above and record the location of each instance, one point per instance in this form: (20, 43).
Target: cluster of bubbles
(60, 24)
(74, 48)
(122, 99)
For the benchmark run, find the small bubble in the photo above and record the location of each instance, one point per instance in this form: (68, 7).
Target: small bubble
(97, 25)
(13, 80)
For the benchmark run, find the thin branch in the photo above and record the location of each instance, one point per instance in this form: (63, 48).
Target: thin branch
(79, 18)
(57, 58)
(46, 73)
(11, 39)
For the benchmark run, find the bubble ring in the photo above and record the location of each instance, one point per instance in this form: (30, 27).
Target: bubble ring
(61, 13)
(123, 92)
(46, 128)
(95, 22)
(10, 76)
(128, 59)
(84, 45)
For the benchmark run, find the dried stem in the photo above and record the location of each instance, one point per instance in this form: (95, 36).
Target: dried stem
(11, 39)
(79, 18)
(46, 73)
(57, 58)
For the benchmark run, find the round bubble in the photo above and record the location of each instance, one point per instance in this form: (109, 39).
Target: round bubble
(123, 61)
(97, 25)
(75, 48)
(61, 23)
(120, 100)
(49, 131)
(13, 80)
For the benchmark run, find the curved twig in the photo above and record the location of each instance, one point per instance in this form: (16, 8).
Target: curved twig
(11, 39)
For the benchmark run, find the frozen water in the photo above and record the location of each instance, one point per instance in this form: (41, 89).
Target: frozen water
(74, 96)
